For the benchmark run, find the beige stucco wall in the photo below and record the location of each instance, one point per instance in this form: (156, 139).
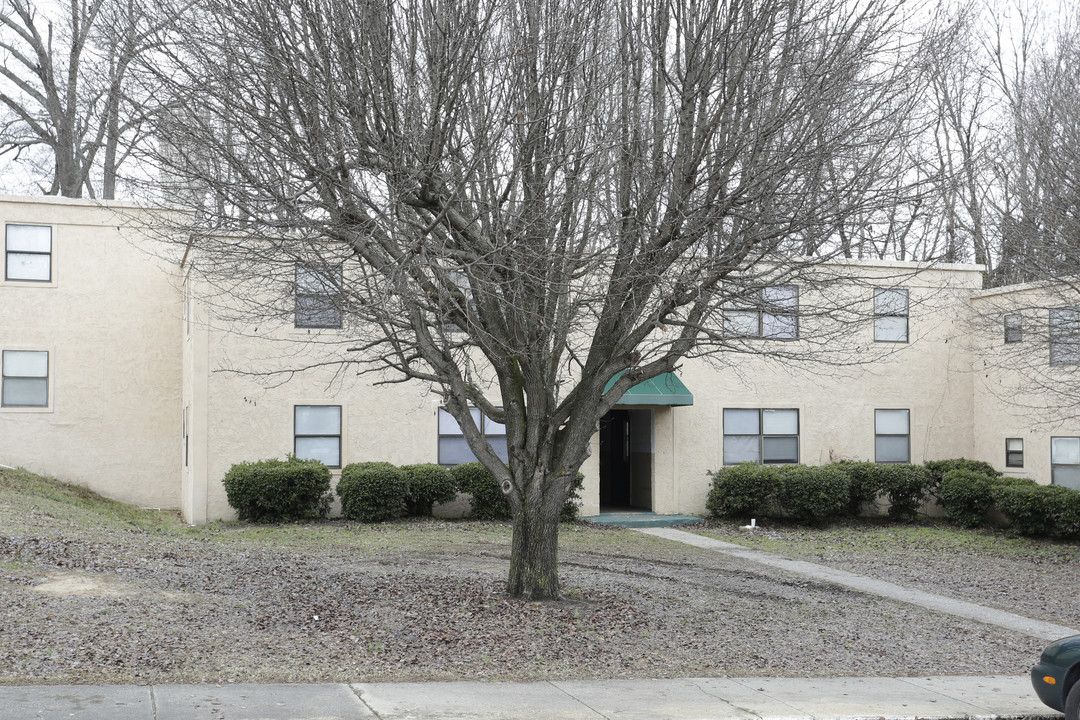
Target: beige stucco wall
(110, 320)
(249, 408)
(1017, 392)
(838, 388)
(155, 392)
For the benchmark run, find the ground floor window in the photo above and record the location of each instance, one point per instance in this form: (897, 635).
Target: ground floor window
(25, 378)
(892, 436)
(1065, 461)
(761, 435)
(1014, 452)
(317, 433)
(454, 449)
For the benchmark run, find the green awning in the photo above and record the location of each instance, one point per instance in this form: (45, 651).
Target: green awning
(663, 389)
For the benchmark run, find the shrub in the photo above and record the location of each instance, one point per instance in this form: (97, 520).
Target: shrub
(864, 482)
(966, 495)
(746, 490)
(812, 494)
(938, 468)
(372, 491)
(1039, 510)
(908, 487)
(1066, 510)
(426, 485)
(488, 501)
(1026, 507)
(279, 490)
(572, 508)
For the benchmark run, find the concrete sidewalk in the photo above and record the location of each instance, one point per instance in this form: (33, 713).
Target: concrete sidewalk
(926, 698)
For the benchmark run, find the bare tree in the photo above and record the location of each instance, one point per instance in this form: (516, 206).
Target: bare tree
(66, 89)
(534, 196)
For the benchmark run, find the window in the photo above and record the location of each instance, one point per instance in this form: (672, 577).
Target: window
(25, 378)
(892, 436)
(317, 434)
(770, 312)
(1014, 452)
(28, 253)
(1065, 462)
(454, 449)
(763, 436)
(1014, 328)
(890, 315)
(318, 296)
(1064, 336)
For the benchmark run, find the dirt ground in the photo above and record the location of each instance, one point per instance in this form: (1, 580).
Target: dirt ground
(86, 597)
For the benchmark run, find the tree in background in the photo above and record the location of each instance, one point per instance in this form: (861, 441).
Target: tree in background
(71, 109)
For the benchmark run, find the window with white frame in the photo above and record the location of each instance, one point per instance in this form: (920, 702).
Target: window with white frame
(892, 436)
(1014, 329)
(1065, 462)
(1064, 336)
(768, 436)
(890, 315)
(317, 433)
(318, 296)
(455, 450)
(769, 312)
(1014, 452)
(28, 253)
(25, 378)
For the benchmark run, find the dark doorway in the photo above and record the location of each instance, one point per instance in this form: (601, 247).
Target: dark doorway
(626, 460)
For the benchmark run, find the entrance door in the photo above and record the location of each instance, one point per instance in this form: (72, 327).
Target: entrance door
(626, 460)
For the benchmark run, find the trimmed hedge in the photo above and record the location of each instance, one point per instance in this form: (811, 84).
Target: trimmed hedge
(1039, 510)
(966, 496)
(488, 500)
(426, 485)
(938, 468)
(743, 491)
(372, 491)
(813, 495)
(906, 487)
(966, 489)
(279, 490)
(865, 484)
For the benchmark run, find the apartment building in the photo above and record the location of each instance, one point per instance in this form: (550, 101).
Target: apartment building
(120, 374)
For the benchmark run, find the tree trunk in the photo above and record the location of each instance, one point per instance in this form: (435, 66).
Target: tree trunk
(534, 555)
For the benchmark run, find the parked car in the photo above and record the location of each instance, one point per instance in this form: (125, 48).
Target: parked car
(1055, 677)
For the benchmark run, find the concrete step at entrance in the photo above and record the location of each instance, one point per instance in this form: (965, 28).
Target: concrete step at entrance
(641, 519)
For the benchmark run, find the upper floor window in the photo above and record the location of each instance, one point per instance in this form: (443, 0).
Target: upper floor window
(28, 253)
(892, 436)
(1065, 461)
(318, 296)
(25, 378)
(768, 436)
(1014, 328)
(890, 315)
(317, 433)
(454, 449)
(769, 312)
(1064, 336)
